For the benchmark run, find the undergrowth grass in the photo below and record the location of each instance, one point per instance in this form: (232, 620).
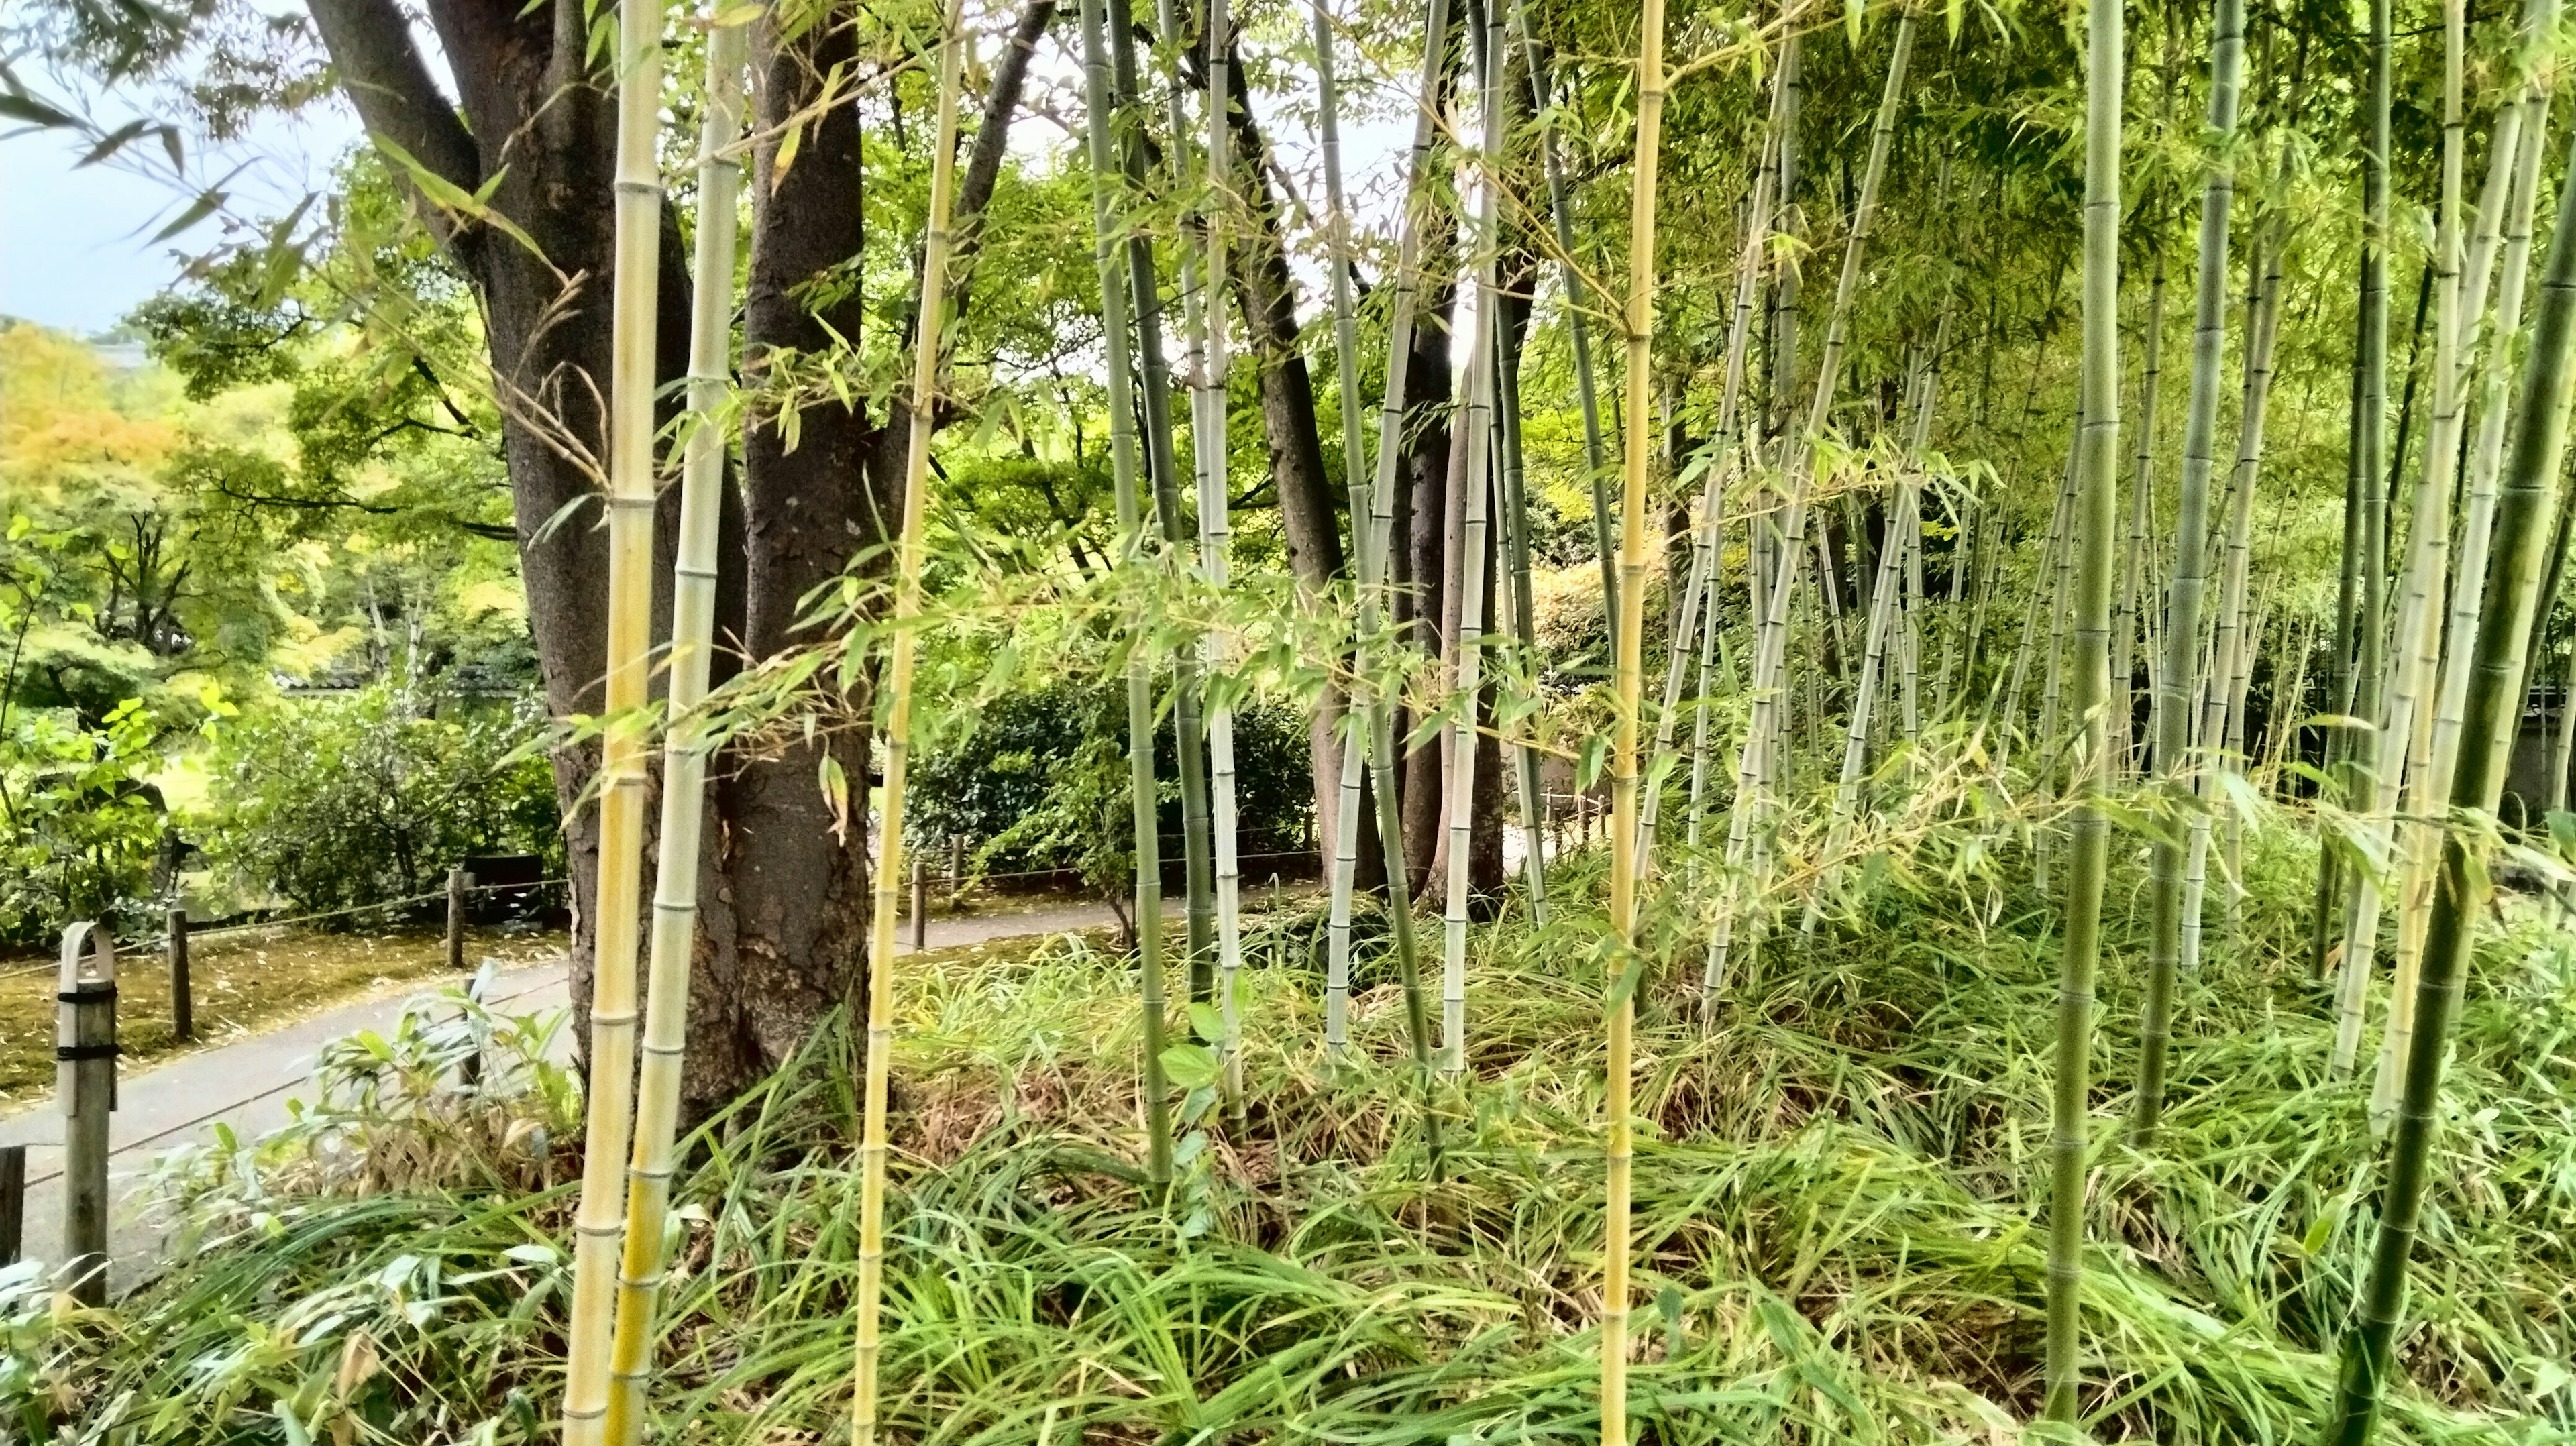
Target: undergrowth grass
(1838, 1187)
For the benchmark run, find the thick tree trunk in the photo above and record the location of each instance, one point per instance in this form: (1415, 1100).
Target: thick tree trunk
(783, 909)
(787, 939)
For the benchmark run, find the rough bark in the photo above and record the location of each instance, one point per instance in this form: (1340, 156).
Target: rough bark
(790, 938)
(532, 111)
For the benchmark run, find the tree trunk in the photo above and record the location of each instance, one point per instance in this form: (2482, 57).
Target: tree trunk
(783, 903)
(1309, 519)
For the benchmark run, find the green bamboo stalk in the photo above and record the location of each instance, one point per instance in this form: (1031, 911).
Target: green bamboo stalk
(2088, 859)
(1756, 767)
(2524, 513)
(1216, 533)
(1380, 712)
(2175, 682)
(685, 747)
(2486, 458)
(1627, 688)
(2262, 328)
(1145, 297)
(2361, 694)
(1688, 610)
(2404, 735)
(2142, 495)
(1355, 476)
(1578, 306)
(599, 1219)
(1477, 435)
(1513, 500)
(938, 245)
(1143, 792)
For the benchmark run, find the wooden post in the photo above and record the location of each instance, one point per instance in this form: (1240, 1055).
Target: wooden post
(458, 881)
(85, 1083)
(956, 867)
(13, 1202)
(183, 1003)
(920, 904)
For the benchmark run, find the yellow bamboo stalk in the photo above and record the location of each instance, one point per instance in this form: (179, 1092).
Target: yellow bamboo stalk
(684, 752)
(616, 901)
(937, 245)
(1628, 678)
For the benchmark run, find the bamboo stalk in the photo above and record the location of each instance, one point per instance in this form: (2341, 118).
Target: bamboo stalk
(1628, 673)
(599, 1219)
(2405, 724)
(1216, 533)
(685, 748)
(1390, 448)
(2523, 517)
(2142, 494)
(2088, 859)
(1687, 612)
(1346, 346)
(1163, 467)
(2467, 592)
(2170, 718)
(1477, 434)
(938, 244)
(1578, 305)
(2262, 329)
(1757, 762)
(1144, 795)
(1512, 500)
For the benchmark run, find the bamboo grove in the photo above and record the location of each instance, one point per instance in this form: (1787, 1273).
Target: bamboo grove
(1915, 552)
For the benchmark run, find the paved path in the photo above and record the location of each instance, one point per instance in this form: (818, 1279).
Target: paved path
(247, 1084)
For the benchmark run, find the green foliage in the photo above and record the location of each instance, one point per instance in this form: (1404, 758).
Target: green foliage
(1040, 781)
(337, 802)
(83, 827)
(1834, 1196)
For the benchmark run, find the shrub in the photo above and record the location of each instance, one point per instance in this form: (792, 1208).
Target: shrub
(339, 802)
(82, 828)
(1040, 782)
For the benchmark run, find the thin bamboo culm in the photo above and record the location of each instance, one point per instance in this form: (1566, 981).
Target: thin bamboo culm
(2475, 534)
(937, 246)
(685, 746)
(2405, 720)
(1476, 435)
(599, 1220)
(1762, 751)
(1377, 714)
(2170, 719)
(1346, 372)
(2096, 524)
(2525, 508)
(1627, 686)
(1216, 534)
(1143, 793)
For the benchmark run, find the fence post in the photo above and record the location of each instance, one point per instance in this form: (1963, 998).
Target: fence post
(85, 1082)
(956, 867)
(458, 881)
(920, 904)
(183, 1002)
(13, 1202)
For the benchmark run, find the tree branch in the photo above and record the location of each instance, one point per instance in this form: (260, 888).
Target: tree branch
(383, 75)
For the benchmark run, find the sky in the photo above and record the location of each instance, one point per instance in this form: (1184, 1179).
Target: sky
(76, 248)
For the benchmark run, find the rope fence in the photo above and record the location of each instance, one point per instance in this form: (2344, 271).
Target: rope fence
(142, 942)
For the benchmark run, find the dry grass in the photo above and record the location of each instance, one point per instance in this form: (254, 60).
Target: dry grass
(244, 983)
